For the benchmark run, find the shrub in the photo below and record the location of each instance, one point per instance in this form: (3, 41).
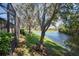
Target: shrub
(22, 31)
(5, 39)
(73, 44)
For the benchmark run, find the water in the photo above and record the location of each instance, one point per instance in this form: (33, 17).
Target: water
(56, 36)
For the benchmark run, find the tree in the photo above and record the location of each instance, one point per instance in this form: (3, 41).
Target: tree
(49, 11)
(70, 15)
(43, 13)
(26, 11)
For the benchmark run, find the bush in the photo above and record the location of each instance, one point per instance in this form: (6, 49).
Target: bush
(22, 31)
(73, 44)
(5, 39)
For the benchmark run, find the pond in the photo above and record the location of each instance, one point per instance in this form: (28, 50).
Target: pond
(57, 37)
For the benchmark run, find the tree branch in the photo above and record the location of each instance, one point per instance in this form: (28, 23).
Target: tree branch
(52, 17)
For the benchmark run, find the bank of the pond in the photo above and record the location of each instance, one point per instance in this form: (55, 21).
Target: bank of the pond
(53, 47)
(46, 31)
(57, 37)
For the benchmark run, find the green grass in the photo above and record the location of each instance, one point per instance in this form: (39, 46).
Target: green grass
(49, 30)
(53, 48)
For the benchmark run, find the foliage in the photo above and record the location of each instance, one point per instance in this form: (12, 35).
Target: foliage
(64, 29)
(73, 44)
(69, 13)
(5, 39)
(22, 31)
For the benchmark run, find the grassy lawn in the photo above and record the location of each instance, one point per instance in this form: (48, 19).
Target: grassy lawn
(49, 30)
(53, 48)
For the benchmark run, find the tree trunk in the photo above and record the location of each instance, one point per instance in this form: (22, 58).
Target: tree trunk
(8, 19)
(42, 39)
(29, 29)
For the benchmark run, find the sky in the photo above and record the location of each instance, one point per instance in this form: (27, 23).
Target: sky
(59, 22)
(3, 15)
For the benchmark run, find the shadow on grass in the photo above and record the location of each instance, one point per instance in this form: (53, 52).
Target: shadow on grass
(53, 48)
